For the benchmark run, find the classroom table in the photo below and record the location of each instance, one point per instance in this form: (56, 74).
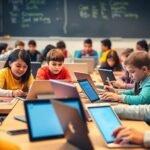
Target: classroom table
(23, 140)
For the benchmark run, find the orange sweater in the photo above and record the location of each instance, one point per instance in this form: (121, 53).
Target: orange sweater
(45, 74)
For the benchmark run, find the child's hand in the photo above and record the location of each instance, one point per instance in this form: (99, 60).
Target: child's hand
(18, 93)
(109, 87)
(118, 84)
(110, 96)
(124, 135)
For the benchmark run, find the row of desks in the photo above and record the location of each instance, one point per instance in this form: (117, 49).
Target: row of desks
(57, 144)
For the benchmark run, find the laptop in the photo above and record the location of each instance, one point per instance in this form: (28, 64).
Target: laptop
(106, 75)
(75, 130)
(34, 68)
(107, 121)
(80, 76)
(64, 90)
(90, 92)
(40, 89)
(79, 67)
(89, 61)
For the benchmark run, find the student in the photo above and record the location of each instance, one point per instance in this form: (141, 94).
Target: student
(126, 81)
(138, 64)
(62, 46)
(33, 53)
(47, 49)
(112, 62)
(16, 77)
(87, 51)
(55, 68)
(7, 145)
(105, 48)
(142, 45)
(19, 45)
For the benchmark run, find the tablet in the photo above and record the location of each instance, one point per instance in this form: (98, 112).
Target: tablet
(106, 121)
(42, 120)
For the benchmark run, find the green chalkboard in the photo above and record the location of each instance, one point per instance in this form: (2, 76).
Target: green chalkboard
(76, 18)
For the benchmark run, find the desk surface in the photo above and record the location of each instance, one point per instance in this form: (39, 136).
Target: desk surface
(23, 141)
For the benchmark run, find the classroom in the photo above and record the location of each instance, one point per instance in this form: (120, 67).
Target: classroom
(74, 74)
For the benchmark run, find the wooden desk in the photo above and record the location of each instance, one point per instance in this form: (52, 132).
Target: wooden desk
(23, 141)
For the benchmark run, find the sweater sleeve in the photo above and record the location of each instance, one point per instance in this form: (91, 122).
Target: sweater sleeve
(141, 112)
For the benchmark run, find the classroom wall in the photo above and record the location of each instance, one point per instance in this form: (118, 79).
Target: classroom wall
(75, 43)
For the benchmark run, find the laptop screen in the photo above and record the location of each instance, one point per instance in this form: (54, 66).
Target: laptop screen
(42, 120)
(89, 90)
(106, 121)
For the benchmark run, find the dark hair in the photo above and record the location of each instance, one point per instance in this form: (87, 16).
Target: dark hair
(127, 52)
(55, 55)
(88, 41)
(114, 55)
(107, 43)
(3, 46)
(23, 55)
(61, 44)
(19, 43)
(32, 42)
(47, 49)
(143, 44)
(138, 59)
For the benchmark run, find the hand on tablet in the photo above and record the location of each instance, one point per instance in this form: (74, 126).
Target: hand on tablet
(124, 135)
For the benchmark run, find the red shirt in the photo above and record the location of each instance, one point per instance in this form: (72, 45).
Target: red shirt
(44, 73)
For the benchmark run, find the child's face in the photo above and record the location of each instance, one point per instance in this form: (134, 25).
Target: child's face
(138, 74)
(104, 48)
(18, 68)
(111, 62)
(87, 47)
(139, 48)
(32, 48)
(55, 66)
(21, 47)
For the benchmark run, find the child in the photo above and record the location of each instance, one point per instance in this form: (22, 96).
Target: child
(142, 46)
(55, 68)
(105, 48)
(47, 49)
(87, 51)
(126, 81)
(112, 62)
(19, 45)
(16, 77)
(33, 53)
(138, 64)
(62, 46)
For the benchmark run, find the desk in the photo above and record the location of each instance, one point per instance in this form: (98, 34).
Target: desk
(60, 144)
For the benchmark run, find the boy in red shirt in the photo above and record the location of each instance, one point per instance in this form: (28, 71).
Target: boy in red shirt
(55, 69)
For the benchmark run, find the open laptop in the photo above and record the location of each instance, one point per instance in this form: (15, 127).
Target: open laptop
(40, 89)
(107, 121)
(75, 130)
(79, 67)
(64, 90)
(90, 92)
(106, 75)
(80, 76)
(34, 67)
(89, 61)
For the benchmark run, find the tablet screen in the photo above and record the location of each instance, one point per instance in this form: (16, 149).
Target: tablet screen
(106, 121)
(89, 90)
(42, 120)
